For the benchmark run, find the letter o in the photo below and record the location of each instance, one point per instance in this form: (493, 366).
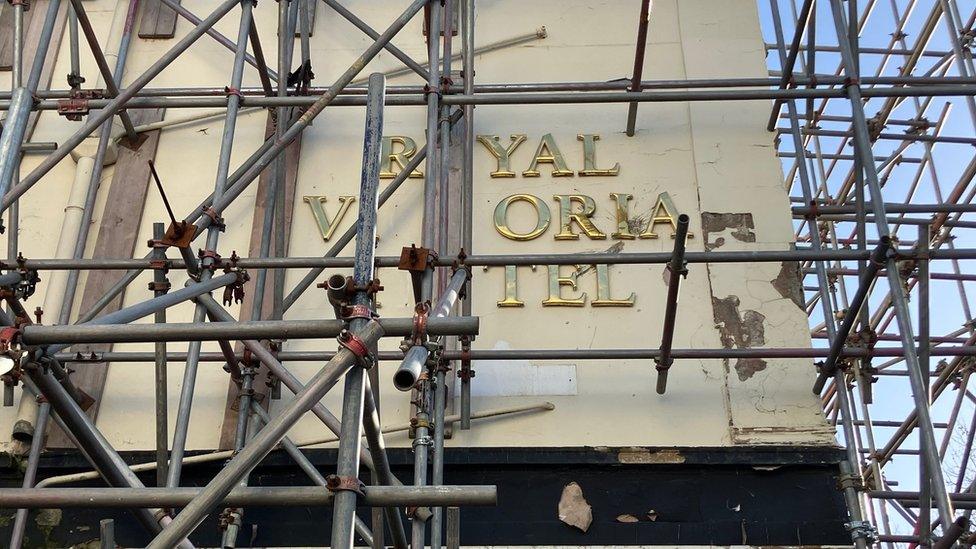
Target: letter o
(543, 217)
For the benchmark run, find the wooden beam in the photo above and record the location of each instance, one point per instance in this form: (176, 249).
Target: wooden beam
(262, 392)
(158, 21)
(118, 234)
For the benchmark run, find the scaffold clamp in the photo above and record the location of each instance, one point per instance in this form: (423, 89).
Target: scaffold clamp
(353, 343)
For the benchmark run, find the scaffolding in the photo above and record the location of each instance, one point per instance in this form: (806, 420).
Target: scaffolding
(847, 223)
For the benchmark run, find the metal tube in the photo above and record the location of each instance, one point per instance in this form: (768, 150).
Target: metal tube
(306, 466)
(500, 260)
(182, 426)
(162, 415)
(353, 398)
(253, 329)
(146, 308)
(467, 191)
(863, 147)
(96, 119)
(30, 473)
(262, 443)
(94, 445)
(924, 354)
(106, 531)
(677, 271)
(642, 24)
(263, 496)
(96, 50)
(839, 341)
(256, 60)
(408, 373)
(15, 125)
(377, 449)
(361, 25)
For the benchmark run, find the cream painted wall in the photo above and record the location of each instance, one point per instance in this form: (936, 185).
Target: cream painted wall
(710, 157)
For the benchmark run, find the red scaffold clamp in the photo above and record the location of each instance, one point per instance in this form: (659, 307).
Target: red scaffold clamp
(358, 347)
(420, 315)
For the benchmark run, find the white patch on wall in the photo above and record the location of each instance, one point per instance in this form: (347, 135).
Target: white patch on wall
(522, 378)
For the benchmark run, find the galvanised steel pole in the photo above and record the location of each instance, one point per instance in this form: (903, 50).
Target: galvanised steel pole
(863, 147)
(96, 51)
(236, 514)
(148, 307)
(361, 25)
(307, 466)
(377, 448)
(806, 188)
(112, 107)
(182, 426)
(431, 179)
(350, 437)
(441, 370)
(262, 443)
(257, 496)
(94, 445)
(160, 287)
(467, 188)
(104, 140)
(15, 125)
(30, 473)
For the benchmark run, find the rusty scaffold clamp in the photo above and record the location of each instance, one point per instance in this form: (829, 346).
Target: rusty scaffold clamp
(76, 107)
(10, 362)
(336, 483)
(416, 261)
(234, 292)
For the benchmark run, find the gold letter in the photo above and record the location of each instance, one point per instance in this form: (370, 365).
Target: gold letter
(502, 155)
(603, 298)
(664, 212)
(555, 290)
(542, 215)
(548, 153)
(623, 216)
(589, 157)
(328, 226)
(511, 288)
(567, 217)
(389, 158)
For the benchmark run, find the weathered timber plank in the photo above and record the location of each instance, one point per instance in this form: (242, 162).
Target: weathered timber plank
(157, 21)
(118, 234)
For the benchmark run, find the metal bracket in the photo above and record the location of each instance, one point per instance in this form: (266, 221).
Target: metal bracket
(862, 529)
(358, 347)
(234, 292)
(335, 483)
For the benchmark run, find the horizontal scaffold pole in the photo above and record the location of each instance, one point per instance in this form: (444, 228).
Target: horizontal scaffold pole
(255, 329)
(263, 496)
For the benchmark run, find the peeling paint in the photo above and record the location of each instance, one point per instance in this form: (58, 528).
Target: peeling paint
(742, 331)
(741, 225)
(747, 367)
(789, 283)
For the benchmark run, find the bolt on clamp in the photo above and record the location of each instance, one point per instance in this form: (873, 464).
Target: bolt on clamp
(862, 529)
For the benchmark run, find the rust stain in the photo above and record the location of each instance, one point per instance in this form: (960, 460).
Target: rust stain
(646, 455)
(789, 283)
(742, 226)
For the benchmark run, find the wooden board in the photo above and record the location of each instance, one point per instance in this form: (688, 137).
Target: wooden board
(7, 31)
(31, 40)
(118, 234)
(291, 156)
(157, 21)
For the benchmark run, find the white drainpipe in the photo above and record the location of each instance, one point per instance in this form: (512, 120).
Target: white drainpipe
(84, 157)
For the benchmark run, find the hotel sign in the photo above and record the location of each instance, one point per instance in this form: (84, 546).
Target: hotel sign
(573, 213)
